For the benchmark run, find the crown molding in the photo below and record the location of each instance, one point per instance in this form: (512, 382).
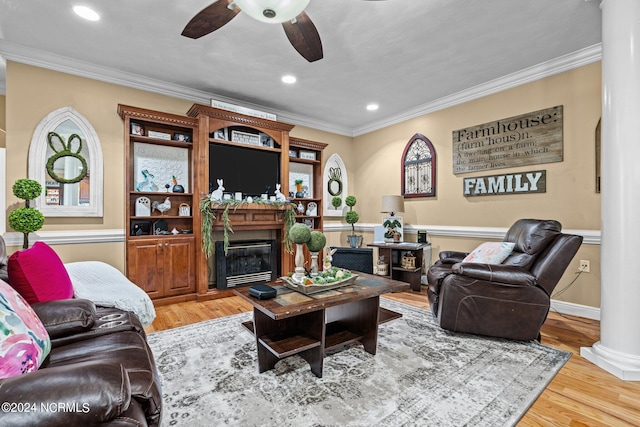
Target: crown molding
(558, 65)
(47, 60)
(27, 55)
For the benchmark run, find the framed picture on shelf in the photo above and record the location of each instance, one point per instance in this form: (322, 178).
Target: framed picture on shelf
(307, 155)
(245, 138)
(293, 153)
(160, 135)
(221, 134)
(266, 140)
(303, 174)
(136, 129)
(154, 167)
(181, 137)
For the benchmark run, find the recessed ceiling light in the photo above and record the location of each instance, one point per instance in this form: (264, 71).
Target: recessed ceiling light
(86, 13)
(372, 107)
(289, 79)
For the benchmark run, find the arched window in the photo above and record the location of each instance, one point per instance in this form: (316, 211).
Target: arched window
(65, 157)
(419, 168)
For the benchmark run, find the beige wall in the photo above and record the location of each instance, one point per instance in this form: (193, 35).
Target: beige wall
(570, 196)
(3, 121)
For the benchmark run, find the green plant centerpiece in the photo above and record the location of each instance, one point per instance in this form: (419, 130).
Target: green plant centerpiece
(315, 245)
(26, 220)
(299, 234)
(355, 241)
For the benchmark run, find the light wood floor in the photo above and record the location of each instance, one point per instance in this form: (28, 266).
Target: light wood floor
(580, 395)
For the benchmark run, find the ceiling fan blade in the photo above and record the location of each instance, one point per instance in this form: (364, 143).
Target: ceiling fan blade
(304, 37)
(210, 19)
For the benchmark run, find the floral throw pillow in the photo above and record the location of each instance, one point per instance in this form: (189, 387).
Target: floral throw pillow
(24, 342)
(490, 253)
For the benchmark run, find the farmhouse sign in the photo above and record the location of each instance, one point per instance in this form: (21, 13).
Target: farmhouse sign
(513, 183)
(529, 139)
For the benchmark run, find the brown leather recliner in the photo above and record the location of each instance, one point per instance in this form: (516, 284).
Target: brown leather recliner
(100, 370)
(510, 300)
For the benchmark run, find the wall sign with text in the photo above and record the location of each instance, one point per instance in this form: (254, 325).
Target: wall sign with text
(511, 183)
(528, 139)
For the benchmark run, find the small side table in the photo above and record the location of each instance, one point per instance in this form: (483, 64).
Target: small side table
(393, 253)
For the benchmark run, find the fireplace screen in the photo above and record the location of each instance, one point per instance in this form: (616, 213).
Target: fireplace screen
(246, 262)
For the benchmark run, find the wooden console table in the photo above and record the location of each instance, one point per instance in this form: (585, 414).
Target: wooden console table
(393, 254)
(310, 325)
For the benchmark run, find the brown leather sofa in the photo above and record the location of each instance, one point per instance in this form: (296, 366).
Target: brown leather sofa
(100, 371)
(510, 300)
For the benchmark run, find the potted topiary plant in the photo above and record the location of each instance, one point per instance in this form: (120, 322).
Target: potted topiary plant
(336, 202)
(26, 220)
(355, 241)
(315, 245)
(299, 234)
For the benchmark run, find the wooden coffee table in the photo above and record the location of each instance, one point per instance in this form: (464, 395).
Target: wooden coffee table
(310, 325)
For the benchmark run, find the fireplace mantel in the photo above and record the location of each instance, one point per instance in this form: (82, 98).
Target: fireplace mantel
(250, 216)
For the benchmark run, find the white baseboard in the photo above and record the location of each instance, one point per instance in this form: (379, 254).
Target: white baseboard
(572, 309)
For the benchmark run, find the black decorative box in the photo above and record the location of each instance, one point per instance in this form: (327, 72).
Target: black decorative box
(262, 291)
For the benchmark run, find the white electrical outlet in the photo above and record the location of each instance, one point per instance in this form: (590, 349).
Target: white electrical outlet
(585, 266)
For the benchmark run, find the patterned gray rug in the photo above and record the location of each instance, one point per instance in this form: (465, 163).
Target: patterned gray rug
(420, 376)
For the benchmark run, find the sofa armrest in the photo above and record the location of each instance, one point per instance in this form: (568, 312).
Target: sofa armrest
(87, 393)
(506, 274)
(66, 317)
(452, 257)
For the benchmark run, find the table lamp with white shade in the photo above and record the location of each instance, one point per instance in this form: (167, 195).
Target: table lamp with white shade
(392, 224)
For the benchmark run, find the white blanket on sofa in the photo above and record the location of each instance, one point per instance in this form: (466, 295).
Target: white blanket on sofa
(105, 285)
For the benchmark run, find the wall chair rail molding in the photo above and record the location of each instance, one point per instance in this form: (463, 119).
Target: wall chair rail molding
(69, 237)
(591, 237)
(62, 197)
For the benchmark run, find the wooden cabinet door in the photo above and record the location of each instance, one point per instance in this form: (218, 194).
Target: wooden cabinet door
(145, 266)
(179, 265)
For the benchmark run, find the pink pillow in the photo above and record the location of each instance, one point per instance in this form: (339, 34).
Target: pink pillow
(490, 253)
(24, 342)
(39, 274)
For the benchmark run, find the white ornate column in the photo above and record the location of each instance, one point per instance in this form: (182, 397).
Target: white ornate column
(618, 350)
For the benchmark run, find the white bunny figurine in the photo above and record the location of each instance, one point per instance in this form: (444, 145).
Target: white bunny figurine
(279, 196)
(216, 195)
(326, 265)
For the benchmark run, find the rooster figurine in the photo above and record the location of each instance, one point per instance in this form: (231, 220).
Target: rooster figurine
(162, 207)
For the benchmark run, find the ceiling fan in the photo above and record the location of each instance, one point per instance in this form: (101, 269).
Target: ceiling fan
(298, 27)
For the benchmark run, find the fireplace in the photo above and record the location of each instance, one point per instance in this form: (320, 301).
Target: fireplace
(246, 262)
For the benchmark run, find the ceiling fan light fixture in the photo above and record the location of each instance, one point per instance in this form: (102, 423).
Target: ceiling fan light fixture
(272, 11)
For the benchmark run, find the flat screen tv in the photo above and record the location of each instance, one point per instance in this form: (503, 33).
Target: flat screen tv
(247, 170)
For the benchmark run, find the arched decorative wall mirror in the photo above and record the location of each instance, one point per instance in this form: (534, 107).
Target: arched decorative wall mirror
(65, 156)
(419, 168)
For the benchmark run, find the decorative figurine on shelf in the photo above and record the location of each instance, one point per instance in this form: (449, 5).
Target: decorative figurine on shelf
(312, 209)
(326, 265)
(216, 195)
(147, 184)
(177, 188)
(300, 208)
(298, 183)
(162, 207)
(279, 196)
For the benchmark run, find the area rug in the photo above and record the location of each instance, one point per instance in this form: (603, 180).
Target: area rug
(420, 376)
